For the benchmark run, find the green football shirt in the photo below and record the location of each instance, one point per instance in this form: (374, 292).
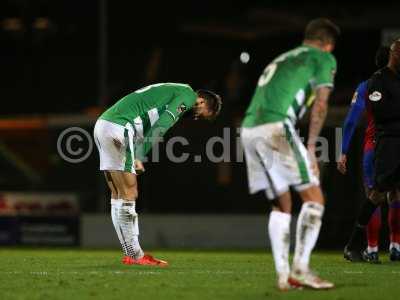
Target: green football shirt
(284, 90)
(151, 111)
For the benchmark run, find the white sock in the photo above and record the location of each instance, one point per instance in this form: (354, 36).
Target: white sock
(279, 234)
(372, 249)
(126, 224)
(307, 231)
(394, 245)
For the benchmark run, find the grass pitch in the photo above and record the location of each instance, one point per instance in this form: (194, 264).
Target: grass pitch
(81, 274)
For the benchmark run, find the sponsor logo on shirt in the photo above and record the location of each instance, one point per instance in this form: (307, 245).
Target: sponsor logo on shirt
(181, 108)
(375, 96)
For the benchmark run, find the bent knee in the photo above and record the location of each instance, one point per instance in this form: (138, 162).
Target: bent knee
(376, 197)
(312, 194)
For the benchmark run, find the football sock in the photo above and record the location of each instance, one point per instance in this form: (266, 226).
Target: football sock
(394, 245)
(394, 224)
(126, 224)
(307, 231)
(358, 234)
(279, 234)
(372, 249)
(373, 228)
(366, 212)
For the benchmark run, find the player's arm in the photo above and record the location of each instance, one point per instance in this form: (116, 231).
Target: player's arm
(325, 70)
(319, 111)
(166, 120)
(353, 117)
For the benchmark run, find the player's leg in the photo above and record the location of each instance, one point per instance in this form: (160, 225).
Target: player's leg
(373, 229)
(115, 145)
(374, 225)
(123, 213)
(114, 216)
(387, 174)
(372, 201)
(394, 225)
(126, 219)
(356, 241)
(279, 234)
(308, 226)
(310, 217)
(307, 232)
(116, 149)
(264, 174)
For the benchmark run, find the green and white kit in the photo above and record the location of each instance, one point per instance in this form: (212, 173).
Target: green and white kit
(276, 158)
(129, 128)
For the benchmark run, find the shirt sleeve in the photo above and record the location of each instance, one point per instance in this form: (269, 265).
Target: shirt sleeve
(376, 90)
(353, 117)
(325, 71)
(175, 109)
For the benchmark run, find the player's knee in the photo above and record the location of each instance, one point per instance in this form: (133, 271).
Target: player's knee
(313, 194)
(114, 194)
(376, 197)
(283, 203)
(393, 196)
(286, 210)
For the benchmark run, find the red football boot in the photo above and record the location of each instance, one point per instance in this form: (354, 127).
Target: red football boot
(148, 260)
(127, 260)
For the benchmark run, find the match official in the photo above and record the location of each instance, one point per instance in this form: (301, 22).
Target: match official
(384, 100)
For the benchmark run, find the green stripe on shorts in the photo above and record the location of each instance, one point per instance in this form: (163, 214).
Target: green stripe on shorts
(128, 153)
(301, 163)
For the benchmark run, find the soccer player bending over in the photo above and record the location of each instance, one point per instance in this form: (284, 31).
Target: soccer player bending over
(276, 158)
(125, 133)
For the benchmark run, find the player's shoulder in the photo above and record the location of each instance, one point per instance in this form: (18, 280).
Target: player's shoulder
(167, 86)
(381, 73)
(362, 87)
(377, 77)
(327, 58)
(180, 87)
(322, 55)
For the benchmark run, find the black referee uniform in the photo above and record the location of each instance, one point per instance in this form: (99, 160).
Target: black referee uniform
(384, 104)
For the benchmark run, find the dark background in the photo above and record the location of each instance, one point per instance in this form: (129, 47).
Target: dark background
(75, 57)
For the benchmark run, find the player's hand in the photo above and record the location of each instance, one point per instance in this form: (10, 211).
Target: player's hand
(342, 164)
(313, 159)
(139, 168)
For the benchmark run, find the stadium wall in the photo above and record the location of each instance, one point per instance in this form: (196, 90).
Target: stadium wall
(183, 231)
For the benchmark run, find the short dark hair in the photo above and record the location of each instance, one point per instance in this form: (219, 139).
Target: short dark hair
(382, 56)
(214, 101)
(395, 52)
(323, 30)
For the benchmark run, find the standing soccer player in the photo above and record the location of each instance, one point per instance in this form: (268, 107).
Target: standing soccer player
(353, 248)
(277, 159)
(125, 133)
(384, 102)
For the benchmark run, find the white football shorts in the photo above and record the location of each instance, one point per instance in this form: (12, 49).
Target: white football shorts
(115, 145)
(276, 159)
